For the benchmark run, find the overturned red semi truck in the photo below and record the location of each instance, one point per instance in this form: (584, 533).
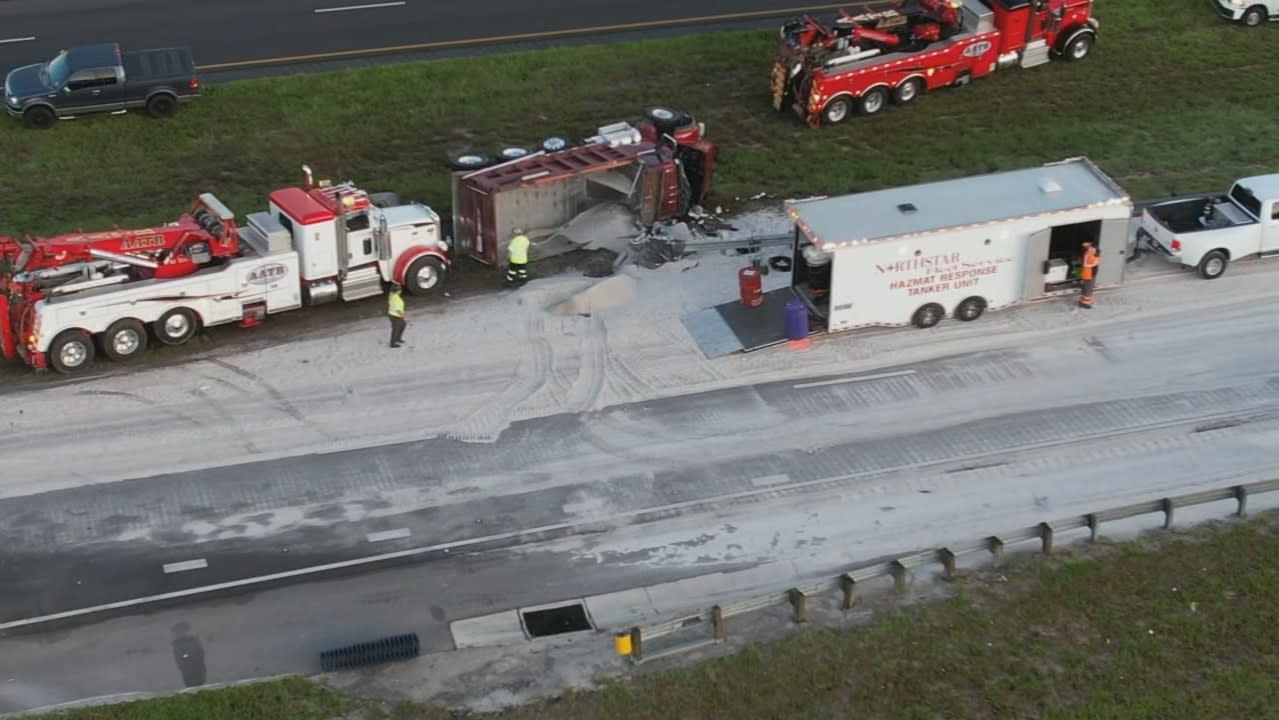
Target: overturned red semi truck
(659, 169)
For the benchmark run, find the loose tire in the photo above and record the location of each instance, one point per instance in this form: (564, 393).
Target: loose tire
(1213, 265)
(39, 118)
(1254, 16)
(873, 101)
(837, 111)
(1079, 47)
(908, 91)
(469, 161)
(124, 340)
(176, 326)
(970, 309)
(162, 105)
(425, 275)
(71, 351)
(928, 316)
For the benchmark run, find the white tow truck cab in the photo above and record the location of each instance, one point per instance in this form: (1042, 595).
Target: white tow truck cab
(1208, 232)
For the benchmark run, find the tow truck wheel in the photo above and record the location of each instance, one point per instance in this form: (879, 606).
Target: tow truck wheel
(1079, 47)
(39, 117)
(71, 351)
(908, 91)
(928, 315)
(1254, 16)
(424, 276)
(124, 340)
(873, 101)
(1213, 265)
(176, 326)
(970, 309)
(837, 111)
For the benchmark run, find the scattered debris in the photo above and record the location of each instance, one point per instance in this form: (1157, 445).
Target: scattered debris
(610, 292)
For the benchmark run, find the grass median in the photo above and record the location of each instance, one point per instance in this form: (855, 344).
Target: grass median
(1173, 99)
(1179, 628)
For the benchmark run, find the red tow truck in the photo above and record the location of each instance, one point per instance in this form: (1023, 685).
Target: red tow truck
(900, 50)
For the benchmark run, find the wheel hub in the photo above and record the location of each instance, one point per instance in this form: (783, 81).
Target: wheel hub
(125, 342)
(176, 326)
(427, 277)
(73, 354)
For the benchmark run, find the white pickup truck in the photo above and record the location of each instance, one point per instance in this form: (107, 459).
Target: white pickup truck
(1249, 12)
(1208, 232)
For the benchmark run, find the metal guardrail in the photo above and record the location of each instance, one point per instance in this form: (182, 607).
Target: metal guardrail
(631, 643)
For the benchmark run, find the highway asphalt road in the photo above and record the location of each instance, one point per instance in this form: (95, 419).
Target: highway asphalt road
(246, 34)
(815, 472)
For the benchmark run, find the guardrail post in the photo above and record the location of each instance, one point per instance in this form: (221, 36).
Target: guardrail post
(900, 575)
(637, 644)
(1094, 525)
(996, 549)
(947, 558)
(1046, 538)
(799, 602)
(1168, 506)
(1241, 495)
(717, 624)
(849, 586)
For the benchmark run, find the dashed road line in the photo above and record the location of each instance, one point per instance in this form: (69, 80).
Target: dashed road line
(17, 40)
(185, 565)
(370, 6)
(397, 534)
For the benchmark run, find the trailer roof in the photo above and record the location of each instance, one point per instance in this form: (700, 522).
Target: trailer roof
(299, 205)
(549, 167)
(882, 215)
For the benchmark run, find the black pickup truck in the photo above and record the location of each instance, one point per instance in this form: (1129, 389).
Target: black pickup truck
(100, 79)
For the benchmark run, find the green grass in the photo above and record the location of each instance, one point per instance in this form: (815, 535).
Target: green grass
(1179, 628)
(1173, 99)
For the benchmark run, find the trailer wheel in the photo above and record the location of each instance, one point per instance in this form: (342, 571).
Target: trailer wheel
(970, 309)
(908, 91)
(513, 152)
(162, 105)
(873, 101)
(837, 111)
(176, 326)
(1254, 16)
(124, 340)
(1213, 265)
(39, 117)
(469, 161)
(71, 351)
(425, 275)
(1079, 47)
(928, 315)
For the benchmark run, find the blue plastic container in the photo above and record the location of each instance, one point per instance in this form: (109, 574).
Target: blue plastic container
(796, 320)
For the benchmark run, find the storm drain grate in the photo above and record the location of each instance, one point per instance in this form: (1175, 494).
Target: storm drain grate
(556, 620)
(387, 649)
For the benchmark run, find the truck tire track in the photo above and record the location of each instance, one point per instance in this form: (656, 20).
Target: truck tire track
(592, 370)
(487, 422)
(281, 403)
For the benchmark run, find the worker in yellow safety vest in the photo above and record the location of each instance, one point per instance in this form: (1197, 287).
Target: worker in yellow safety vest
(395, 311)
(517, 259)
(1088, 276)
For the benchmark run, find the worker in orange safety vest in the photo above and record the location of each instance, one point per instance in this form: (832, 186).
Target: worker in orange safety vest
(1088, 276)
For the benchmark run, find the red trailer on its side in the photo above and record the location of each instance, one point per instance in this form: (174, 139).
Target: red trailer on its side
(896, 53)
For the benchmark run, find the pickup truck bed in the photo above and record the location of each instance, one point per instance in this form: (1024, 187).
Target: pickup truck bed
(1188, 215)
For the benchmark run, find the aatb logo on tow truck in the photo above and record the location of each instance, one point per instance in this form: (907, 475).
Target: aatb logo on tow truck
(268, 273)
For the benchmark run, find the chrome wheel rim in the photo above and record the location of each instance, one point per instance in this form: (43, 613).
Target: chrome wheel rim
(175, 326)
(73, 354)
(427, 277)
(125, 342)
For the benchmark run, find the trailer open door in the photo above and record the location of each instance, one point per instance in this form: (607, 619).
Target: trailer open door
(1037, 248)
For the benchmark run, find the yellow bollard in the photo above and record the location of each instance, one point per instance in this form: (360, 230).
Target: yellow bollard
(622, 643)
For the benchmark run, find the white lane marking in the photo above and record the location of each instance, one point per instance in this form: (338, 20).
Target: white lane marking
(370, 6)
(856, 378)
(769, 480)
(17, 40)
(397, 534)
(185, 565)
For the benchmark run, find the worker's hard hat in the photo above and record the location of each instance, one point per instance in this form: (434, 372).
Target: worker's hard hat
(517, 230)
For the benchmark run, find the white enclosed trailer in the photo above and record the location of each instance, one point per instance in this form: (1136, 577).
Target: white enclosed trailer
(955, 248)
